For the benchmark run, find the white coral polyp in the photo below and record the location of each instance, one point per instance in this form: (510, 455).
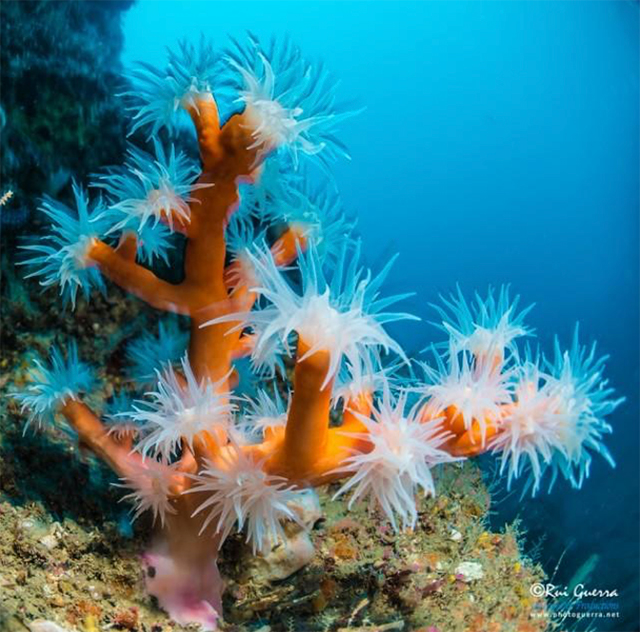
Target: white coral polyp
(73, 260)
(535, 427)
(342, 333)
(274, 126)
(265, 411)
(488, 345)
(180, 410)
(151, 484)
(198, 92)
(241, 235)
(243, 495)
(242, 274)
(486, 327)
(583, 400)
(365, 379)
(343, 318)
(477, 391)
(161, 203)
(398, 465)
(122, 430)
(576, 412)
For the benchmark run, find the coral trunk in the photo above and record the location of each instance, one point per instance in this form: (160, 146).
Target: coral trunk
(181, 568)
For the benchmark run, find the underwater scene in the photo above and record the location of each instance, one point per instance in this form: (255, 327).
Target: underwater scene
(319, 316)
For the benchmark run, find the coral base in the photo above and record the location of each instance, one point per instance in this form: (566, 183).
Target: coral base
(187, 594)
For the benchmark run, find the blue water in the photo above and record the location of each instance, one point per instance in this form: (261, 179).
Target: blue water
(499, 145)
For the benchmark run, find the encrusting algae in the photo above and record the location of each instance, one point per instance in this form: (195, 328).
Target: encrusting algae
(289, 383)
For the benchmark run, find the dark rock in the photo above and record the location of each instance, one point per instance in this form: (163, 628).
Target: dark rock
(59, 117)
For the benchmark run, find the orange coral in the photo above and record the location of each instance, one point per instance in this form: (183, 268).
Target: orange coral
(307, 450)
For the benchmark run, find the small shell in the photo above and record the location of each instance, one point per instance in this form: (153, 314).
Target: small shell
(455, 535)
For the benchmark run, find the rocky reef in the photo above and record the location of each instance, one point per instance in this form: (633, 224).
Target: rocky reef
(59, 116)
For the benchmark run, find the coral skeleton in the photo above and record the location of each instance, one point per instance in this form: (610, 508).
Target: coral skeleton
(225, 435)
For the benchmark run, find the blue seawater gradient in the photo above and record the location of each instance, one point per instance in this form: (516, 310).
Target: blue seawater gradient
(499, 145)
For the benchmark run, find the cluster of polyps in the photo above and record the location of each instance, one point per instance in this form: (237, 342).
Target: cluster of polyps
(203, 457)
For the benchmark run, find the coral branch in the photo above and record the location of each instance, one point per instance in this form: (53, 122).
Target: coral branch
(474, 441)
(237, 158)
(206, 250)
(210, 348)
(134, 278)
(128, 246)
(204, 114)
(285, 249)
(307, 426)
(464, 441)
(95, 436)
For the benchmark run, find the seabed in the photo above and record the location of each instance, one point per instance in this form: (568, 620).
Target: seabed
(70, 555)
